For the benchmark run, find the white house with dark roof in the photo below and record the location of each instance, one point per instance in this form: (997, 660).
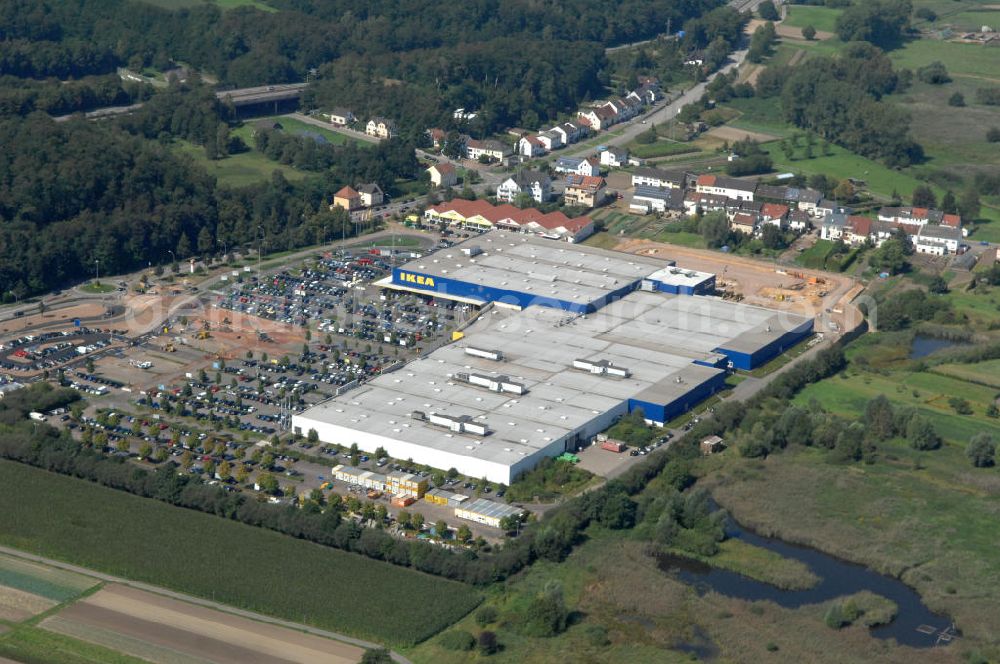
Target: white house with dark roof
(535, 184)
(614, 156)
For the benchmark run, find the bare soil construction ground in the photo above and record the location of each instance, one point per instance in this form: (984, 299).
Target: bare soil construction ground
(167, 631)
(56, 319)
(774, 287)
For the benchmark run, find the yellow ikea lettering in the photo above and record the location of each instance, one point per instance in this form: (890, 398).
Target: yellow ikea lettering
(417, 279)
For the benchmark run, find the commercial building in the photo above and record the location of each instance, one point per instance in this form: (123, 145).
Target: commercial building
(405, 484)
(486, 512)
(442, 497)
(482, 216)
(359, 476)
(576, 337)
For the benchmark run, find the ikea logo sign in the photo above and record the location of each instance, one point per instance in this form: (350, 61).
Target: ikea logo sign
(418, 279)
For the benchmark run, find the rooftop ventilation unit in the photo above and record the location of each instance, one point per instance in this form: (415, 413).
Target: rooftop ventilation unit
(457, 423)
(495, 355)
(602, 368)
(502, 384)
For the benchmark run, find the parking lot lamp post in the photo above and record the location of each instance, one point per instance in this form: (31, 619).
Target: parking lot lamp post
(173, 259)
(97, 270)
(260, 249)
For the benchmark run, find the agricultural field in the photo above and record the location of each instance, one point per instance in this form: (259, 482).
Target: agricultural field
(27, 588)
(165, 631)
(79, 522)
(238, 170)
(33, 645)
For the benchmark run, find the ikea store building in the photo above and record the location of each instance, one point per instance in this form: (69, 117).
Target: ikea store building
(575, 338)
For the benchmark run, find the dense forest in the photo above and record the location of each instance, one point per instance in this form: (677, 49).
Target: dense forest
(118, 192)
(521, 62)
(76, 192)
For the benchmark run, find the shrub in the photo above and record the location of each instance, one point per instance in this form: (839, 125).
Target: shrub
(809, 33)
(597, 635)
(988, 96)
(486, 615)
(376, 656)
(457, 640)
(935, 73)
(957, 99)
(981, 450)
(546, 615)
(488, 643)
(993, 134)
(835, 618)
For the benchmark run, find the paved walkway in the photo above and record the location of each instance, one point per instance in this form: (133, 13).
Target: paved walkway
(200, 602)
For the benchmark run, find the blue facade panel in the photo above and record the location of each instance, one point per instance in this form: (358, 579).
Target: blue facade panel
(442, 286)
(664, 412)
(706, 287)
(748, 361)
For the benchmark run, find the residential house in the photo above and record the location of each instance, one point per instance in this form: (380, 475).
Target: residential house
(570, 132)
(695, 202)
(531, 146)
(577, 165)
(495, 150)
(462, 114)
(826, 207)
(937, 240)
(798, 221)
(600, 118)
(726, 186)
(584, 190)
(381, 128)
(347, 198)
(917, 216)
(775, 214)
(537, 185)
(567, 164)
(656, 177)
(340, 117)
(745, 222)
(648, 93)
(614, 157)
(437, 137)
(804, 199)
(853, 229)
(443, 175)
(552, 140)
(479, 215)
(371, 194)
(648, 199)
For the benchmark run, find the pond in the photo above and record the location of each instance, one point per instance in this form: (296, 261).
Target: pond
(924, 346)
(915, 625)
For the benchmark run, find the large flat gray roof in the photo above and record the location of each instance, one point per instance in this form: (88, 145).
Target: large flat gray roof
(655, 336)
(537, 266)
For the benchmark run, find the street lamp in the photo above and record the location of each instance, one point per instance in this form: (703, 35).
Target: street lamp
(259, 248)
(97, 269)
(173, 258)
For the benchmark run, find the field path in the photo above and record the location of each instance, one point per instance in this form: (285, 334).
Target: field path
(201, 602)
